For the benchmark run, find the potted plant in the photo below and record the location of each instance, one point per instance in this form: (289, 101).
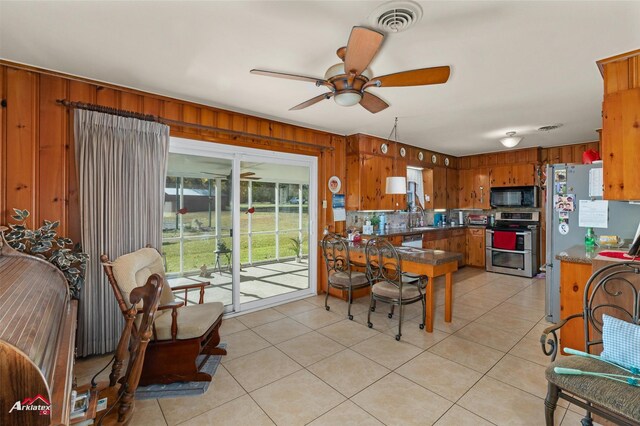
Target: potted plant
(296, 245)
(45, 243)
(375, 221)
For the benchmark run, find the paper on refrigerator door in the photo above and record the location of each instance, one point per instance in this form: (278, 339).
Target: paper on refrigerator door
(596, 183)
(593, 214)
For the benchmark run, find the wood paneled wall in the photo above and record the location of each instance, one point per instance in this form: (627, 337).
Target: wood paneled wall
(37, 160)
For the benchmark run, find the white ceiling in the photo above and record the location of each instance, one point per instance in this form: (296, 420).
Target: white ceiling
(515, 65)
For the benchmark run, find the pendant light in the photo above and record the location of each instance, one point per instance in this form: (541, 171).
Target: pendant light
(396, 184)
(511, 140)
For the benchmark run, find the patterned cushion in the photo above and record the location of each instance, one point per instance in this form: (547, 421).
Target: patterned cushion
(386, 289)
(193, 320)
(621, 342)
(341, 279)
(134, 269)
(618, 397)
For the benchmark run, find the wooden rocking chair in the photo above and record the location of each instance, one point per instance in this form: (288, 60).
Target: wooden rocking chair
(179, 337)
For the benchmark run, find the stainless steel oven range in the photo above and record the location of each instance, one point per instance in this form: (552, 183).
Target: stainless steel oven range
(512, 244)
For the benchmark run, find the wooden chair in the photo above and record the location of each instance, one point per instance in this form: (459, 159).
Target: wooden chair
(137, 338)
(181, 332)
(390, 284)
(335, 250)
(613, 290)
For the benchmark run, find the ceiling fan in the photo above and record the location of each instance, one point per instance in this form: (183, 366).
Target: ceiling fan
(245, 175)
(348, 81)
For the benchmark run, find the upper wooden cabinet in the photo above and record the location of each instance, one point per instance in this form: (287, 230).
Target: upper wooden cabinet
(513, 175)
(367, 172)
(435, 186)
(621, 126)
(473, 188)
(452, 188)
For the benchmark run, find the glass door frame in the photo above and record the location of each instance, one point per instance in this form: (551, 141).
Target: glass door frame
(238, 155)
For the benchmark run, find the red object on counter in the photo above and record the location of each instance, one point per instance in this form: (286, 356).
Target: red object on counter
(616, 255)
(505, 240)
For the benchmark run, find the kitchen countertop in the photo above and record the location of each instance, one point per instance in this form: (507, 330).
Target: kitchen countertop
(579, 254)
(412, 254)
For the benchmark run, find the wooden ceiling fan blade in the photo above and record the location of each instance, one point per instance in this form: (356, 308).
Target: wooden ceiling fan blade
(318, 81)
(361, 49)
(312, 101)
(419, 77)
(372, 103)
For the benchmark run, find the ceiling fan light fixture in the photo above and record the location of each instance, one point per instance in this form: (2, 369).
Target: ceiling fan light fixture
(349, 98)
(338, 69)
(511, 140)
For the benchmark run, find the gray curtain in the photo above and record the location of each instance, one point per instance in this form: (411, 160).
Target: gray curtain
(122, 165)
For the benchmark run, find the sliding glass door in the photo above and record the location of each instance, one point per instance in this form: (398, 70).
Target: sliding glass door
(255, 252)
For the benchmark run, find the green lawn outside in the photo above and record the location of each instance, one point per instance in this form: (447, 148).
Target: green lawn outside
(201, 251)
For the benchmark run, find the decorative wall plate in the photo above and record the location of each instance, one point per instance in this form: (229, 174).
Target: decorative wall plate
(334, 184)
(384, 148)
(403, 152)
(446, 161)
(434, 159)
(420, 156)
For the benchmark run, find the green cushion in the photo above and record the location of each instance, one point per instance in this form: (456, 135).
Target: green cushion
(620, 398)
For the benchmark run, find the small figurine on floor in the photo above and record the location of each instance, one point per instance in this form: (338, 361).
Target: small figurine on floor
(204, 272)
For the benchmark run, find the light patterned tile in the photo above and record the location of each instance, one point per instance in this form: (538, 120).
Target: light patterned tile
(489, 336)
(458, 416)
(223, 388)
(347, 332)
(505, 322)
(147, 412)
(281, 330)
(260, 368)
(348, 372)
(470, 354)
(317, 318)
(230, 326)
(505, 405)
(386, 350)
(346, 414)
(297, 399)
(296, 307)
(310, 348)
(257, 318)
(446, 378)
(395, 400)
(240, 411)
(243, 343)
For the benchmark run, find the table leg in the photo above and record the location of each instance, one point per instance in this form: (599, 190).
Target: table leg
(429, 306)
(448, 297)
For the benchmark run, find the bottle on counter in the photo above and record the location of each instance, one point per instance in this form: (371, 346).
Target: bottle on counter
(590, 238)
(383, 223)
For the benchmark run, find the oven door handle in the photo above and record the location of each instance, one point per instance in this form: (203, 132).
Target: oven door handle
(517, 233)
(509, 251)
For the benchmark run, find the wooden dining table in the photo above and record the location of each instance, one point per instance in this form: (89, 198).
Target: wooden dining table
(432, 263)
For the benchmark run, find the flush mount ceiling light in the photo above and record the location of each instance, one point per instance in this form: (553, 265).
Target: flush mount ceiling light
(511, 140)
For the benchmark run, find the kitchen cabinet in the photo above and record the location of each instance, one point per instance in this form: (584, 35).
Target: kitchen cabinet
(620, 129)
(513, 175)
(475, 247)
(446, 240)
(573, 278)
(473, 188)
(452, 188)
(435, 186)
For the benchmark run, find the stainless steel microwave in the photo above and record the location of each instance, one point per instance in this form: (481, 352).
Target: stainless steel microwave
(517, 196)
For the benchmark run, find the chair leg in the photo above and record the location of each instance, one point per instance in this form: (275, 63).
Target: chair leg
(372, 307)
(349, 305)
(424, 312)
(326, 298)
(587, 420)
(399, 323)
(391, 313)
(550, 403)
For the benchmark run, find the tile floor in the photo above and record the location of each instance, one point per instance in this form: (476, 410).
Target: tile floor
(298, 364)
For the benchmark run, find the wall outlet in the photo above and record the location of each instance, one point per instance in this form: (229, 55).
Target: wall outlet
(427, 198)
(324, 204)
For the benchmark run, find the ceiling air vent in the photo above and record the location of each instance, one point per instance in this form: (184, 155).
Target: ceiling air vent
(396, 16)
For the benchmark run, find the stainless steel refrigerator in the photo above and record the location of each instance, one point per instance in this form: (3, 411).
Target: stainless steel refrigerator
(573, 180)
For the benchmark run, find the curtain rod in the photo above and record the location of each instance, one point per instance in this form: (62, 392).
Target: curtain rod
(169, 122)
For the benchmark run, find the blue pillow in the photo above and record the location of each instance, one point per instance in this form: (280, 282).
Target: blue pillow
(621, 342)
